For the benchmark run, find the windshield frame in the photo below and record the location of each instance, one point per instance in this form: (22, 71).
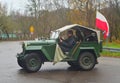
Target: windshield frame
(54, 34)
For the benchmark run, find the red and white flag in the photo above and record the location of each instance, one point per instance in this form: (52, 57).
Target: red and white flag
(102, 24)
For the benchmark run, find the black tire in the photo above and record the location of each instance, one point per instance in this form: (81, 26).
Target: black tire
(72, 64)
(32, 62)
(20, 63)
(86, 61)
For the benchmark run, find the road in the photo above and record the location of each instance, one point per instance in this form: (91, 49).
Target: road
(107, 71)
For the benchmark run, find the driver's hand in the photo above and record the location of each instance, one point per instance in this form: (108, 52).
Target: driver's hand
(61, 40)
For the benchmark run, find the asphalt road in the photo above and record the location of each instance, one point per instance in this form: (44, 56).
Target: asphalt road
(107, 71)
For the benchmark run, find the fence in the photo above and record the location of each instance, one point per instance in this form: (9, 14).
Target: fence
(111, 49)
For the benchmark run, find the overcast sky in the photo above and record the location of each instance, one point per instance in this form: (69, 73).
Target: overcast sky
(15, 4)
(19, 5)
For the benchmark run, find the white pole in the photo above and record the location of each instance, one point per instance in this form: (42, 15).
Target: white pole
(95, 10)
(95, 4)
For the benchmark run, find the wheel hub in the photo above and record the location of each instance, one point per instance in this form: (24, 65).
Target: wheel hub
(33, 62)
(86, 61)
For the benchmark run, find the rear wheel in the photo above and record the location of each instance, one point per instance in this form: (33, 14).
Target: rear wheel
(32, 62)
(86, 61)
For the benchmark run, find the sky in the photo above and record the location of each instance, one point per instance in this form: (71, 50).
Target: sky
(15, 4)
(19, 5)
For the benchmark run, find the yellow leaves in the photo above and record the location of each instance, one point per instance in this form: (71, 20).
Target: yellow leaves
(76, 17)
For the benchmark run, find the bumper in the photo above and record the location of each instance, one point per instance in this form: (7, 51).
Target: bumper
(19, 55)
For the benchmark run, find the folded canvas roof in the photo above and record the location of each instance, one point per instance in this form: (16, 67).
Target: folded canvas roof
(77, 25)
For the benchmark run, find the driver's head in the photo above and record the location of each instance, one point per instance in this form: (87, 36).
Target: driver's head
(70, 33)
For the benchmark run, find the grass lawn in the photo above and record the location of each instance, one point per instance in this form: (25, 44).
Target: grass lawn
(112, 45)
(110, 54)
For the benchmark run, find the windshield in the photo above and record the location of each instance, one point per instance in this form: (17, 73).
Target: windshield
(54, 34)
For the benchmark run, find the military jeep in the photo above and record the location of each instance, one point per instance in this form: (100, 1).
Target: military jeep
(83, 55)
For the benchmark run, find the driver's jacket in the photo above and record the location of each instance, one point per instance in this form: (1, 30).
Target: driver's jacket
(68, 44)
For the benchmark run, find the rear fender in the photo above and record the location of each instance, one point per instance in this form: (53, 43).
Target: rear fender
(85, 49)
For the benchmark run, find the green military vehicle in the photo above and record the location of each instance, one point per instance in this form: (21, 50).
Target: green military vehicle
(83, 55)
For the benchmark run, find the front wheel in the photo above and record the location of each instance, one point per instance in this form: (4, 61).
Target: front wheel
(32, 62)
(86, 61)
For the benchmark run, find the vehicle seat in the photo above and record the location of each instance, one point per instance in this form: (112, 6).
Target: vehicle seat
(79, 36)
(74, 49)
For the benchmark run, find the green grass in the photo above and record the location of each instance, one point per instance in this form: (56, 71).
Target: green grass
(113, 45)
(110, 54)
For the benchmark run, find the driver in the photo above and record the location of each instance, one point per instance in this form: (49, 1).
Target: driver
(67, 44)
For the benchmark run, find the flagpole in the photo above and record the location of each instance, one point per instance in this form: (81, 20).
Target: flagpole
(95, 11)
(95, 5)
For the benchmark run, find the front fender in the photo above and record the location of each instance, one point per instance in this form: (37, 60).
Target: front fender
(39, 48)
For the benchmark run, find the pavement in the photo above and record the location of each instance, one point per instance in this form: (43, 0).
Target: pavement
(107, 71)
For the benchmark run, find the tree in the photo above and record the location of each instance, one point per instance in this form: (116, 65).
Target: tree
(86, 9)
(3, 19)
(112, 12)
(46, 16)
